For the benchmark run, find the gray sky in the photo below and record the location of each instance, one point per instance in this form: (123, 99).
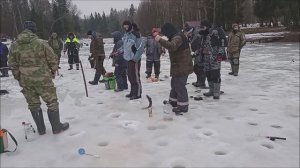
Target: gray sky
(88, 6)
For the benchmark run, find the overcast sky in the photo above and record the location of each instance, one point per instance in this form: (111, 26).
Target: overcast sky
(88, 6)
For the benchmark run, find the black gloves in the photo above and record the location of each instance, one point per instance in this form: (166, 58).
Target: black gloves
(133, 49)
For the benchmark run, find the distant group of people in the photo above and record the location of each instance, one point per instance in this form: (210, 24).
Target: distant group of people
(34, 62)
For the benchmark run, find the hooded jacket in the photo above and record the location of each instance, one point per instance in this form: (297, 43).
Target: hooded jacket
(3, 54)
(153, 49)
(117, 53)
(179, 50)
(32, 60)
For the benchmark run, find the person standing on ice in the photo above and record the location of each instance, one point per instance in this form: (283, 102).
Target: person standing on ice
(213, 44)
(181, 65)
(133, 48)
(72, 45)
(153, 53)
(57, 45)
(33, 64)
(119, 62)
(195, 42)
(3, 60)
(236, 41)
(97, 51)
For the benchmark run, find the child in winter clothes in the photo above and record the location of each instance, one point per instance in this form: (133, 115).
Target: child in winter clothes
(3, 60)
(119, 62)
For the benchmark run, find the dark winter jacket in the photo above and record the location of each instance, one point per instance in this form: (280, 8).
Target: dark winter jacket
(3, 55)
(71, 45)
(153, 49)
(117, 53)
(195, 46)
(179, 50)
(97, 46)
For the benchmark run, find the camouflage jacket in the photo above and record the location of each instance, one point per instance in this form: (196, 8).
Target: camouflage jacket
(213, 48)
(32, 60)
(56, 44)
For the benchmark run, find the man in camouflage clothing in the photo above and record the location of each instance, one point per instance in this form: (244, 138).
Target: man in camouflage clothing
(213, 49)
(56, 44)
(33, 64)
(236, 41)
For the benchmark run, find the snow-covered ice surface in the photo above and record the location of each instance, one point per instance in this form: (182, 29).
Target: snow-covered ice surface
(262, 101)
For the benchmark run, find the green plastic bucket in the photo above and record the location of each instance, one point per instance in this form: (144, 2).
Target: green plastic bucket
(110, 82)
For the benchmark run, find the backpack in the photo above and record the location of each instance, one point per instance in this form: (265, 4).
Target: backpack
(4, 141)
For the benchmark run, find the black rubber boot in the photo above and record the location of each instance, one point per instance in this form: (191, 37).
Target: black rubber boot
(180, 109)
(211, 89)
(235, 70)
(217, 87)
(39, 120)
(173, 103)
(54, 119)
(71, 67)
(77, 66)
(232, 69)
(96, 79)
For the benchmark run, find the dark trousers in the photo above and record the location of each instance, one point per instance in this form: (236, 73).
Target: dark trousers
(99, 69)
(201, 76)
(149, 65)
(178, 91)
(214, 76)
(121, 77)
(134, 78)
(73, 57)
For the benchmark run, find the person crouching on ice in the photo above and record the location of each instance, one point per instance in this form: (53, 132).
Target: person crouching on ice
(119, 62)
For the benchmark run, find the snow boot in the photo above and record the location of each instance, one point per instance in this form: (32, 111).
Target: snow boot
(173, 103)
(148, 76)
(129, 95)
(235, 70)
(77, 66)
(54, 119)
(39, 120)
(216, 90)
(211, 88)
(71, 67)
(96, 79)
(4, 73)
(181, 109)
(232, 70)
(118, 90)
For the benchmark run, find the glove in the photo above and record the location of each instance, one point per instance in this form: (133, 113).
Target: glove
(133, 49)
(157, 37)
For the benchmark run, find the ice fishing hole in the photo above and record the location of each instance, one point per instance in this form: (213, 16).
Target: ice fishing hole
(253, 124)
(208, 133)
(253, 109)
(276, 126)
(151, 128)
(104, 143)
(220, 153)
(197, 127)
(269, 146)
(162, 143)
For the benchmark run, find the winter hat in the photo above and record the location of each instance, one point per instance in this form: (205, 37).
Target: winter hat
(30, 25)
(89, 33)
(188, 29)
(127, 22)
(235, 24)
(205, 23)
(169, 30)
(71, 34)
(117, 35)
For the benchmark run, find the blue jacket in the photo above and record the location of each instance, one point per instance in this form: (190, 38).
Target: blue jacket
(117, 53)
(3, 52)
(133, 46)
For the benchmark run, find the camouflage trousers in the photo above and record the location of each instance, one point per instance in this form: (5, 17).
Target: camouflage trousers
(32, 95)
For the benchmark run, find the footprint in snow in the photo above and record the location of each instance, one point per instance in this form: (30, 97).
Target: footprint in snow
(229, 118)
(220, 153)
(276, 126)
(267, 145)
(76, 133)
(252, 124)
